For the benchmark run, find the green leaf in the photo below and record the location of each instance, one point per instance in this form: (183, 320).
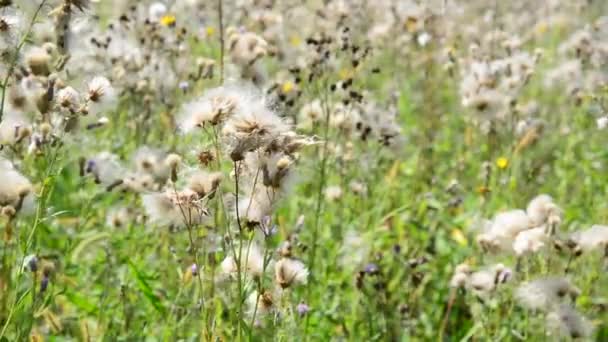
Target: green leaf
(81, 302)
(85, 243)
(146, 289)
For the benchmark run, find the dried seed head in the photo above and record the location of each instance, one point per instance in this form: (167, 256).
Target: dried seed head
(38, 60)
(45, 129)
(8, 211)
(289, 272)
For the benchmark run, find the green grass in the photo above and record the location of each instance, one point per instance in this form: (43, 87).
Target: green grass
(132, 283)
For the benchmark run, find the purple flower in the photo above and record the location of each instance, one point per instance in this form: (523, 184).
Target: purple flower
(268, 229)
(371, 268)
(504, 276)
(33, 264)
(90, 166)
(302, 309)
(184, 85)
(44, 283)
(194, 269)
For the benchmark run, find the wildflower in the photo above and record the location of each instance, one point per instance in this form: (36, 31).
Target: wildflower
(502, 163)
(358, 188)
(289, 272)
(269, 229)
(543, 210)
(38, 61)
(101, 95)
(482, 282)
(302, 309)
(194, 269)
(168, 20)
(250, 129)
(261, 304)
(501, 232)
(175, 208)
(565, 321)
(11, 26)
(44, 283)
(372, 269)
(171, 163)
(485, 281)
(252, 262)
(68, 98)
(135, 182)
(31, 262)
(119, 217)
(212, 109)
(209, 31)
(530, 241)
(14, 128)
(542, 294)
(204, 183)
(184, 86)
(311, 113)
(156, 163)
(105, 168)
(461, 276)
(246, 47)
(459, 237)
(254, 205)
(594, 238)
(333, 193)
(14, 187)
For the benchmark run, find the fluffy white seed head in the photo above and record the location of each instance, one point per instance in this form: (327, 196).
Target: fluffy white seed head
(594, 238)
(543, 210)
(530, 241)
(101, 95)
(176, 209)
(252, 262)
(14, 187)
(542, 294)
(68, 98)
(565, 322)
(288, 272)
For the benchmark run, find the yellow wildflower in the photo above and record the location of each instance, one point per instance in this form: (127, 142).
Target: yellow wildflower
(459, 237)
(168, 20)
(502, 163)
(287, 87)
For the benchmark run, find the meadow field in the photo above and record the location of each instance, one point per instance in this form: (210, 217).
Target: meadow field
(319, 170)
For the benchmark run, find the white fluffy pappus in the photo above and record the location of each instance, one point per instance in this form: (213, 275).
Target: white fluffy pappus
(176, 209)
(288, 272)
(252, 127)
(102, 97)
(105, 168)
(14, 128)
(500, 233)
(542, 294)
(542, 209)
(14, 188)
(530, 241)
(260, 304)
(252, 261)
(565, 322)
(485, 281)
(214, 107)
(594, 238)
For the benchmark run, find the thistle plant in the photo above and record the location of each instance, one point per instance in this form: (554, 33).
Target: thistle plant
(317, 170)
